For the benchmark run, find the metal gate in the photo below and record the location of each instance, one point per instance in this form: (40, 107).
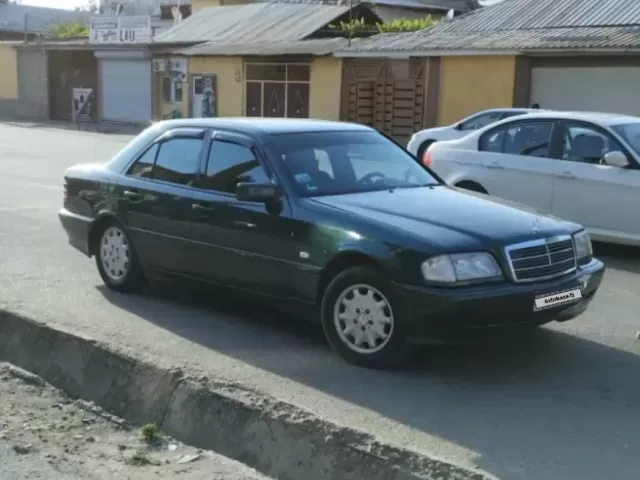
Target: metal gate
(126, 90)
(388, 95)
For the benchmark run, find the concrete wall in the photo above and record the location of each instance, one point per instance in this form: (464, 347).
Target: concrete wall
(472, 83)
(325, 89)
(33, 87)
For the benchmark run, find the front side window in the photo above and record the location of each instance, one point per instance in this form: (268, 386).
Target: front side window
(326, 163)
(587, 144)
(175, 160)
(480, 121)
(229, 164)
(531, 139)
(630, 132)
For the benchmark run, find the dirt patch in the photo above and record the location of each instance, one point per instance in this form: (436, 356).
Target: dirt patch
(46, 434)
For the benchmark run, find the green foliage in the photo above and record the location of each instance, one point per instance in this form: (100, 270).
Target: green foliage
(359, 26)
(69, 30)
(406, 25)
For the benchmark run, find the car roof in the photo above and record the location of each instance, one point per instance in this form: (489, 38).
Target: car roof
(268, 126)
(596, 117)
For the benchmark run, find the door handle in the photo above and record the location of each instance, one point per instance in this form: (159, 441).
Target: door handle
(567, 176)
(131, 195)
(495, 166)
(198, 207)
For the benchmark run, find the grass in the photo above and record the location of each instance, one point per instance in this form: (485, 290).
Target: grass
(151, 433)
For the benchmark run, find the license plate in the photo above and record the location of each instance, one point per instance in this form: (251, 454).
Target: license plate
(556, 299)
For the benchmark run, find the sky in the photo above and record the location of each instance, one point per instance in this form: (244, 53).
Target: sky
(67, 4)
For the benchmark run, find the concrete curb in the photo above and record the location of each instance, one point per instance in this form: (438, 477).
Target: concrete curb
(275, 438)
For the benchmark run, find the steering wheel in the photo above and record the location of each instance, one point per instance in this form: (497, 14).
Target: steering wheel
(368, 178)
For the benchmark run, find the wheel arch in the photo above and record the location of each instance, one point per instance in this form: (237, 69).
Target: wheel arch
(343, 260)
(101, 219)
(471, 185)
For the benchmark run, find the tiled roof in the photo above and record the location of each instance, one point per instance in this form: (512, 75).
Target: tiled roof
(324, 46)
(520, 25)
(38, 19)
(503, 40)
(255, 22)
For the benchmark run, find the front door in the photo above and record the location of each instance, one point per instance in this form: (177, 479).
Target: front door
(242, 244)
(155, 199)
(601, 197)
(204, 102)
(517, 162)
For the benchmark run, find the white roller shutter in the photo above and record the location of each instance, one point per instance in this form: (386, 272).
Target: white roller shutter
(126, 90)
(594, 89)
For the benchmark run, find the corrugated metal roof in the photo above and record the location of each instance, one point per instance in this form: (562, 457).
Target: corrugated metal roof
(253, 23)
(503, 40)
(324, 46)
(443, 5)
(39, 19)
(524, 14)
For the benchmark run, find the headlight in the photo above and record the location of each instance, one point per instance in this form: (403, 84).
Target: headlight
(460, 267)
(582, 243)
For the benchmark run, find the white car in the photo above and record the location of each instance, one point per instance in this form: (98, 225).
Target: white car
(581, 166)
(421, 140)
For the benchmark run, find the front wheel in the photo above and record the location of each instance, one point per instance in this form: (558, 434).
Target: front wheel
(116, 259)
(361, 320)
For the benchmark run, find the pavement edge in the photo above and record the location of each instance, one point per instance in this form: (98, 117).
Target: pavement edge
(274, 437)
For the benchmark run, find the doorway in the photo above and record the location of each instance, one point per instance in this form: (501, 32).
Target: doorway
(204, 98)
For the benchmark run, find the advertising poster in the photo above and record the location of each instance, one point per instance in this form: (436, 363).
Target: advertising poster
(209, 101)
(83, 102)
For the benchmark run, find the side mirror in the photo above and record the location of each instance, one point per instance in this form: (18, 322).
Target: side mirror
(258, 192)
(458, 126)
(616, 159)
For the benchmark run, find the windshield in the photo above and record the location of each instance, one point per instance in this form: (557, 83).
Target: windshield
(630, 132)
(331, 163)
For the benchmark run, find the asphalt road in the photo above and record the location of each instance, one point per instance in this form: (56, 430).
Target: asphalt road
(563, 404)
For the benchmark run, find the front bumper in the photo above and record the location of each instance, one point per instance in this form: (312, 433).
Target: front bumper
(457, 315)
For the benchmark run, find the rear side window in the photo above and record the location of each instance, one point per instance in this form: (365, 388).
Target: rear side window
(176, 161)
(531, 139)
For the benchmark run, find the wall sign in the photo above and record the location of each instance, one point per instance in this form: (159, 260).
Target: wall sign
(82, 105)
(120, 29)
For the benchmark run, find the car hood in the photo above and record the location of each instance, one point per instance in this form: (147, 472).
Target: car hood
(449, 218)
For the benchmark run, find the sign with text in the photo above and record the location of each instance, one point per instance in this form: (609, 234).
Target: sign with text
(125, 29)
(82, 105)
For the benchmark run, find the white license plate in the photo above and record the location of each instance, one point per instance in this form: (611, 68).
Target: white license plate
(556, 299)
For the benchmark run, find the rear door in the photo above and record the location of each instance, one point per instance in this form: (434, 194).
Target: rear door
(518, 161)
(247, 245)
(601, 197)
(155, 198)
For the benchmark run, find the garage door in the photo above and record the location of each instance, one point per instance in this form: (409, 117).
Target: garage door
(126, 90)
(600, 89)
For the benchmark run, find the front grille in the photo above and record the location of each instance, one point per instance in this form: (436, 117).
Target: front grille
(542, 259)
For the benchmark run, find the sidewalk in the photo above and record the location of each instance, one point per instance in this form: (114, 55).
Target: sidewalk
(96, 127)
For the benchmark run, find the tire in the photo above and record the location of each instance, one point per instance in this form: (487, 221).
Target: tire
(113, 244)
(472, 187)
(387, 353)
(423, 148)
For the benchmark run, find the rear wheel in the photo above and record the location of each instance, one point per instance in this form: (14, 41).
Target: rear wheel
(361, 320)
(116, 259)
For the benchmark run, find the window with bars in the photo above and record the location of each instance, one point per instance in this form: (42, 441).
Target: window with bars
(277, 90)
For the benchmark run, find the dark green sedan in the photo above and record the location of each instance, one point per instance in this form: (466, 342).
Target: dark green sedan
(332, 221)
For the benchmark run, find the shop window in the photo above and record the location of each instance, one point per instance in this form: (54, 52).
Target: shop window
(172, 89)
(277, 90)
